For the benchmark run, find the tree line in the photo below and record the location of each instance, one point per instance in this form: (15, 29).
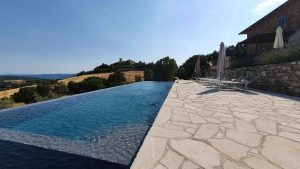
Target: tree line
(53, 89)
(166, 68)
(121, 65)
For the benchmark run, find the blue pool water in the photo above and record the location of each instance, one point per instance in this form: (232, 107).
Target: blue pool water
(116, 118)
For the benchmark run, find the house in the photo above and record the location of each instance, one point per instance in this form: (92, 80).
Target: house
(261, 35)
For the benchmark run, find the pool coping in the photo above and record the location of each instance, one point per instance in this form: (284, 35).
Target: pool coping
(153, 124)
(147, 132)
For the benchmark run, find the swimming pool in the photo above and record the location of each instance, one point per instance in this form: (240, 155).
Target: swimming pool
(107, 124)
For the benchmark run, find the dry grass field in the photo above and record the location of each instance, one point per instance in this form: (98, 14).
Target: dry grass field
(10, 92)
(130, 77)
(15, 81)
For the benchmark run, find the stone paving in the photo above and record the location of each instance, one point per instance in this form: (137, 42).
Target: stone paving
(199, 127)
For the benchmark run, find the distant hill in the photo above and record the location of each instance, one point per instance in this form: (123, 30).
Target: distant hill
(36, 77)
(130, 76)
(51, 76)
(127, 65)
(18, 77)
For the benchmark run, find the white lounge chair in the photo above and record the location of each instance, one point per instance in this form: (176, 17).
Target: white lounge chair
(240, 83)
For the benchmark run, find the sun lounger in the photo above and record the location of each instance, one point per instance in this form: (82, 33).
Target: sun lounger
(239, 83)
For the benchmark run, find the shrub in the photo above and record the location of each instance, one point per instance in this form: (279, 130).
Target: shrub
(43, 89)
(138, 78)
(51, 95)
(26, 95)
(91, 84)
(87, 85)
(74, 88)
(6, 103)
(267, 57)
(148, 75)
(61, 89)
(165, 69)
(116, 78)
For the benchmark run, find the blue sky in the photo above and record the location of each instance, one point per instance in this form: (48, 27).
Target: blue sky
(67, 36)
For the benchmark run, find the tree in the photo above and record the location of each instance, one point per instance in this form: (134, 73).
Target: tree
(91, 84)
(116, 78)
(61, 89)
(150, 65)
(138, 78)
(26, 95)
(6, 103)
(102, 68)
(181, 73)
(148, 75)
(165, 69)
(74, 88)
(186, 70)
(43, 89)
(119, 65)
(231, 51)
(81, 73)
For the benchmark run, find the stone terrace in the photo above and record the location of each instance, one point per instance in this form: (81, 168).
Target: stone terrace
(199, 127)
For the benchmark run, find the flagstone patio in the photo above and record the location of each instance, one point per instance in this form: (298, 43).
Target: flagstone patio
(199, 127)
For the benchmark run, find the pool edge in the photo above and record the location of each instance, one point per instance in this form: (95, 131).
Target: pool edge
(154, 122)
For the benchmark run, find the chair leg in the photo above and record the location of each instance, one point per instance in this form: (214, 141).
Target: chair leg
(246, 87)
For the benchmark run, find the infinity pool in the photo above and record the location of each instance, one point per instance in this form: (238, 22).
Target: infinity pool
(107, 124)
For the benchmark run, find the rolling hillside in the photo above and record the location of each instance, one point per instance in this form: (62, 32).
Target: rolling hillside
(130, 77)
(35, 77)
(10, 92)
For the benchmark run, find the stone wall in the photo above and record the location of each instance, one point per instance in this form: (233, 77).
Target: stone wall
(281, 78)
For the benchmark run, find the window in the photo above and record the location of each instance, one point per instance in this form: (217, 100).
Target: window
(282, 22)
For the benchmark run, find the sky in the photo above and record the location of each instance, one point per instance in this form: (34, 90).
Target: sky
(67, 36)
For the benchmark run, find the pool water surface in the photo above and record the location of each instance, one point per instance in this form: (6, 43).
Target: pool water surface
(107, 124)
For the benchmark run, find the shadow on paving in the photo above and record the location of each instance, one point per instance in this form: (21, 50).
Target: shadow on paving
(281, 95)
(214, 90)
(20, 156)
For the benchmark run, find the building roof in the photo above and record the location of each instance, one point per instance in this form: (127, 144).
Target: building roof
(287, 3)
(266, 38)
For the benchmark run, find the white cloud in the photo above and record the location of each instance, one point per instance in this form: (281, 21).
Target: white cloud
(267, 6)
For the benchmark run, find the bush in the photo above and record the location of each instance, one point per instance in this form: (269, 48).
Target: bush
(74, 88)
(26, 95)
(91, 84)
(148, 75)
(165, 69)
(51, 95)
(43, 89)
(116, 79)
(6, 103)
(138, 78)
(87, 85)
(267, 57)
(61, 89)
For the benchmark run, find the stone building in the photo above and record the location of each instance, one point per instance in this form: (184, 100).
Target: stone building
(261, 35)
